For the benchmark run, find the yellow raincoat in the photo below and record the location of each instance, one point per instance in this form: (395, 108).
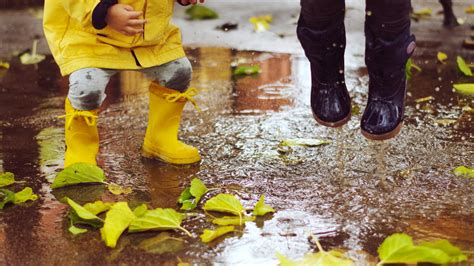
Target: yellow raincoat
(76, 44)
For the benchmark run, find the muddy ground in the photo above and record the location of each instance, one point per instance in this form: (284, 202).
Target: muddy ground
(351, 193)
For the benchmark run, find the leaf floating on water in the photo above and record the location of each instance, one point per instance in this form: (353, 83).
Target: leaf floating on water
(232, 220)
(261, 208)
(321, 258)
(445, 122)
(117, 220)
(463, 67)
(4, 65)
(79, 173)
(98, 207)
(409, 66)
(201, 13)
(469, 10)
(158, 219)
(6, 196)
(464, 171)
(25, 195)
(119, 190)
(161, 244)
(261, 23)
(209, 235)
(34, 57)
(442, 57)
(464, 88)
(444, 245)
(424, 99)
(140, 210)
(6, 179)
(76, 230)
(247, 70)
(304, 142)
(399, 248)
(191, 196)
(224, 203)
(81, 215)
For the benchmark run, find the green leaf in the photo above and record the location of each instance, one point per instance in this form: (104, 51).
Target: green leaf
(198, 189)
(409, 66)
(442, 57)
(25, 195)
(464, 172)
(6, 179)
(224, 203)
(304, 142)
(465, 88)
(80, 215)
(209, 235)
(463, 67)
(185, 195)
(158, 219)
(322, 258)
(232, 220)
(247, 70)
(200, 13)
(140, 210)
(261, 208)
(76, 231)
(98, 207)
(117, 219)
(6, 197)
(79, 173)
(161, 244)
(399, 248)
(453, 252)
(191, 196)
(118, 190)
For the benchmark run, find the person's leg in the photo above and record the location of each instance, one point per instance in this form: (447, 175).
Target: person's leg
(450, 19)
(322, 35)
(389, 45)
(168, 94)
(86, 94)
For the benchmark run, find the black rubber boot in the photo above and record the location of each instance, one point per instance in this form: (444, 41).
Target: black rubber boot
(386, 60)
(450, 20)
(330, 100)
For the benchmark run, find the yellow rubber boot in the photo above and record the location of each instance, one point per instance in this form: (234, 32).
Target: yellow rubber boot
(82, 136)
(161, 139)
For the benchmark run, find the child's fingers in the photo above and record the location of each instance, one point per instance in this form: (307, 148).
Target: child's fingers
(128, 8)
(136, 22)
(135, 14)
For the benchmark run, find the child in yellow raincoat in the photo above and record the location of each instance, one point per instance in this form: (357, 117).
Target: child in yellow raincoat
(91, 40)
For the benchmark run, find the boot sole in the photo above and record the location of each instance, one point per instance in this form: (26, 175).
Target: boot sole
(333, 124)
(154, 155)
(384, 136)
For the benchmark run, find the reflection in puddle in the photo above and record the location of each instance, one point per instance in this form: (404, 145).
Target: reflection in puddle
(243, 120)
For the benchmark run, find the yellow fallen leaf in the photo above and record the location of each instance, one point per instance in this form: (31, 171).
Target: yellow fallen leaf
(33, 58)
(424, 99)
(470, 10)
(261, 23)
(5, 65)
(119, 190)
(424, 12)
(445, 122)
(442, 57)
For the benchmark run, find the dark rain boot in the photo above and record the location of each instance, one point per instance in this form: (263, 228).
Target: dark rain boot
(450, 20)
(330, 100)
(386, 60)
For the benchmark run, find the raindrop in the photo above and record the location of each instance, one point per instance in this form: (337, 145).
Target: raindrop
(440, 78)
(341, 71)
(334, 44)
(383, 25)
(437, 89)
(369, 13)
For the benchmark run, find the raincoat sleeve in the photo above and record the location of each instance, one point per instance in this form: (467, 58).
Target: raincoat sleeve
(81, 10)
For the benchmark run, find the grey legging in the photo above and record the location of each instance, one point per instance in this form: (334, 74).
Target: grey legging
(87, 85)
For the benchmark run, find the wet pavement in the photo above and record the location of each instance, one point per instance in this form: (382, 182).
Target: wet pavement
(351, 193)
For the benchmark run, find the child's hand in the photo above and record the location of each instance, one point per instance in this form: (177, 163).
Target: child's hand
(187, 2)
(125, 20)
